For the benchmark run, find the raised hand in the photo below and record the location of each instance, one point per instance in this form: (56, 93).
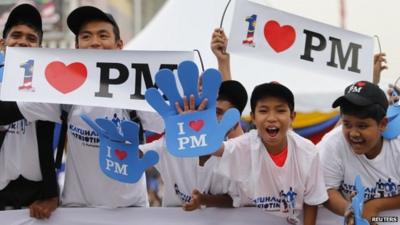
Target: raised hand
(119, 154)
(195, 133)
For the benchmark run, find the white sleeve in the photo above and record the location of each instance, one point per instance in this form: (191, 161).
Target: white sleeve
(315, 190)
(157, 146)
(151, 121)
(331, 162)
(235, 163)
(33, 111)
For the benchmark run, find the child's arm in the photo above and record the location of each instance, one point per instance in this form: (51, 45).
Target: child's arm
(336, 202)
(310, 214)
(199, 199)
(374, 206)
(219, 42)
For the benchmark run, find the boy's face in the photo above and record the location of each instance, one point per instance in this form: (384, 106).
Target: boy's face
(222, 107)
(21, 36)
(363, 135)
(272, 118)
(97, 35)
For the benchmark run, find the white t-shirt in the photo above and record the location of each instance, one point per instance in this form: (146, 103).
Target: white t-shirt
(19, 153)
(182, 175)
(275, 189)
(380, 176)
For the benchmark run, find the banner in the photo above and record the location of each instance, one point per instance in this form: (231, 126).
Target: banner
(271, 35)
(108, 78)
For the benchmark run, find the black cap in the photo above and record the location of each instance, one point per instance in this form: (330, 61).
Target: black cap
(363, 93)
(24, 13)
(273, 89)
(83, 14)
(234, 92)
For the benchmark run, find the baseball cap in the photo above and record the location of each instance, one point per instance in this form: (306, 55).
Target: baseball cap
(234, 92)
(81, 15)
(363, 93)
(23, 13)
(273, 89)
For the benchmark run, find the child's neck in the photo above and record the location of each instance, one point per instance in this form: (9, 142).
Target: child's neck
(275, 149)
(374, 151)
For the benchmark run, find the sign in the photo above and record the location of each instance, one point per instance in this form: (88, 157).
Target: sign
(118, 155)
(108, 78)
(272, 35)
(196, 133)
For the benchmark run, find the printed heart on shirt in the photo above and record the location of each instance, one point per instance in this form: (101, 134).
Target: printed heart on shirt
(196, 124)
(121, 155)
(279, 37)
(65, 78)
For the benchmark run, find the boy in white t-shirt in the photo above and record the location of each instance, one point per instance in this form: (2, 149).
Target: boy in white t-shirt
(191, 182)
(358, 148)
(277, 169)
(27, 173)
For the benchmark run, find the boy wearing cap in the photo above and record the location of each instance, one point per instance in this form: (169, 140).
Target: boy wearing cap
(27, 172)
(277, 169)
(192, 182)
(357, 148)
(85, 183)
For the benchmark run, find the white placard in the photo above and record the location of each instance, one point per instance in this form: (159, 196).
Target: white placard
(275, 36)
(109, 78)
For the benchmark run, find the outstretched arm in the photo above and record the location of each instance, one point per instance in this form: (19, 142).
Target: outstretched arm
(336, 202)
(379, 65)
(310, 214)
(219, 43)
(199, 199)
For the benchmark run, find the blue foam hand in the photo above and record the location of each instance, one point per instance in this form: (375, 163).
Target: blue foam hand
(357, 203)
(195, 133)
(118, 156)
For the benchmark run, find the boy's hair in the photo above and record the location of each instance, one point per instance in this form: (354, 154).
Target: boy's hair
(272, 89)
(233, 92)
(82, 15)
(363, 99)
(24, 14)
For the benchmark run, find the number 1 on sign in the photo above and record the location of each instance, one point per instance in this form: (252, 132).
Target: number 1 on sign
(249, 41)
(28, 75)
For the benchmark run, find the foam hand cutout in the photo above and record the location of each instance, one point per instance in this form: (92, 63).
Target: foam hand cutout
(118, 155)
(357, 203)
(195, 133)
(393, 127)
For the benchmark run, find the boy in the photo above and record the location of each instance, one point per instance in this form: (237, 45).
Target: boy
(191, 182)
(277, 169)
(27, 172)
(357, 148)
(85, 184)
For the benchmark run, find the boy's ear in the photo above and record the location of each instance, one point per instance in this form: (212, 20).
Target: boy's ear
(252, 117)
(2, 44)
(292, 116)
(383, 124)
(120, 44)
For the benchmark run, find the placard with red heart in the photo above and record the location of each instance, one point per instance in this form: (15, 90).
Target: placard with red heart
(65, 78)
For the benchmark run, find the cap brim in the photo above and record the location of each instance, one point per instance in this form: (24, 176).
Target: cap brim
(393, 128)
(352, 98)
(82, 14)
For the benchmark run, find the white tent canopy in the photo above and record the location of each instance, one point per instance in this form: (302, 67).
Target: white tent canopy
(188, 24)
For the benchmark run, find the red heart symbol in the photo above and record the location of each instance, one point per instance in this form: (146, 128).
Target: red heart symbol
(196, 125)
(65, 78)
(121, 155)
(279, 38)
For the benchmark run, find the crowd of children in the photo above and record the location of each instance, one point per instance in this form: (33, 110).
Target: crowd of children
(270, 167)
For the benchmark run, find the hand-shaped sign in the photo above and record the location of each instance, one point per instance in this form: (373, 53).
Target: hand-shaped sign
(119, 156)
(393, 127)
(357, 203)
(195, 133)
